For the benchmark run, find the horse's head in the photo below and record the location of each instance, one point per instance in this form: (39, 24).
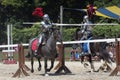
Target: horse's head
(56, 34)
(78, 34)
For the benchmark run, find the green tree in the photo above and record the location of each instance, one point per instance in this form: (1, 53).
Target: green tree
(25, 34)
(18, 11)
(106, 31)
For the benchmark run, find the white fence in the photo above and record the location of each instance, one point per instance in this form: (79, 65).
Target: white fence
(70, 42)
(58, 24)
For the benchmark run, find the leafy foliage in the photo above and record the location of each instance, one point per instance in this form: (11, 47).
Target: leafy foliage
(68, 34)
(25, 34)
(18, 11)
(106, 31)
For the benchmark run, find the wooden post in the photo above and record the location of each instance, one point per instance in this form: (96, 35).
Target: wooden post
(22, 66)
(59, 51)
(62, 62)
(115, 71)
(23, 59)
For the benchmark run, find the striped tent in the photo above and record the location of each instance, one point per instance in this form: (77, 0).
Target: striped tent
(112, 12)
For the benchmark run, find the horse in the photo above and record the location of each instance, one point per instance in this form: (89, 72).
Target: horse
(93, 49)
(48, 50)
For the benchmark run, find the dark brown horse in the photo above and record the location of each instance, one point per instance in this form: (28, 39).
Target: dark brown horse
(95, 49)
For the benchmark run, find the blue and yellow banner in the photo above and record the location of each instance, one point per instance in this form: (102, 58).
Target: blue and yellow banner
(112, 12)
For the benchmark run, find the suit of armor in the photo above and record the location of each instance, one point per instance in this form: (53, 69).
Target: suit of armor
(86, 35)
(45, 27)
(85, 28)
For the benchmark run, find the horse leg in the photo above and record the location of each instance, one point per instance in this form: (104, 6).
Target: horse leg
(82, 59)
(108, 68)
(32, 62)
(45, 66)
(39, 68)
(104, 66)
(91, 62)
(101, 67)
(52, 64)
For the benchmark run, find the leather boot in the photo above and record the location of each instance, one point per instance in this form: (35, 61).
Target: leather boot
(39, 50)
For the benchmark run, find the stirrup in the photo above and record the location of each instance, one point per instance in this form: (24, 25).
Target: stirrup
(35, 51)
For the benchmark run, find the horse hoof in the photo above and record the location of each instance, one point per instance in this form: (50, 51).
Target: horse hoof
(105, 71)
(46, 74)
(96, 70)
(86, 65)
(48, 70)
(39, 69)
(32, 71)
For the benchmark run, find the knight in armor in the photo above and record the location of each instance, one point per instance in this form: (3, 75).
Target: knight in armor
(86, 30)
(87, 35)
(45, 27)
(85, 22)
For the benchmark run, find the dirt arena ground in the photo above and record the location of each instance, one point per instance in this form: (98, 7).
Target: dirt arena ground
(77, 69)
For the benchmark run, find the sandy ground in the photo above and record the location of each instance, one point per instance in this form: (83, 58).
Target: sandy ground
(77, 69)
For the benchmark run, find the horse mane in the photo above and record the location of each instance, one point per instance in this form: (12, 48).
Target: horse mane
(75, 34)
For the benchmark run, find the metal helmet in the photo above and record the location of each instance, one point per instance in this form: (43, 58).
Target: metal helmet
(46, 17)
(85, 18)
